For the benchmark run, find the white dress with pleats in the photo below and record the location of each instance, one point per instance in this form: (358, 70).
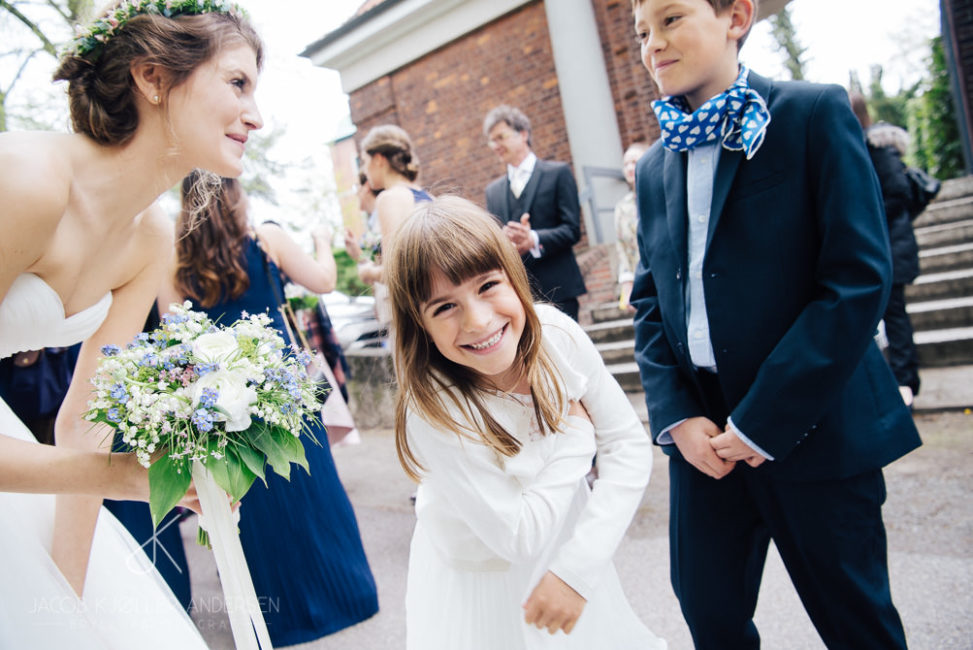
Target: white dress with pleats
(489, 526)
(126, 602)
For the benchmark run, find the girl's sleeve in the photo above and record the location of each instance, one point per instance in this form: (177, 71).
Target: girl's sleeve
(624, 465)
(514, 517)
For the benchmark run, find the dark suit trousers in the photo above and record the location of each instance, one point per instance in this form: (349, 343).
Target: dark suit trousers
(830, 536)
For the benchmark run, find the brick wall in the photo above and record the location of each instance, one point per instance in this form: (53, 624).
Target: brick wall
(441, 100)
(631, 86)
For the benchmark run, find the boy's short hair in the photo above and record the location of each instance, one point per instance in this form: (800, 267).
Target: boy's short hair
(720, 6)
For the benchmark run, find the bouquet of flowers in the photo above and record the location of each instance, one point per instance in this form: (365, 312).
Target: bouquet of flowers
(371, 244)
(232, 398)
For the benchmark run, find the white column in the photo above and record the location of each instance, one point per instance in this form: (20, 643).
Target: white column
(589, 109)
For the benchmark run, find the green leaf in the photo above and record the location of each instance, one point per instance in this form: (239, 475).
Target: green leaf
(293, 447)
(282, 448)
(168, 481)
(240, 476)
(229, 472)
(252, 458)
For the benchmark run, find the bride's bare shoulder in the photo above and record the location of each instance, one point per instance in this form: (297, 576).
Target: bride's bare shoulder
(36, 179)
(35, 186)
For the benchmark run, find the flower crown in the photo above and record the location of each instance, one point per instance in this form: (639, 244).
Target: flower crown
(92, 38)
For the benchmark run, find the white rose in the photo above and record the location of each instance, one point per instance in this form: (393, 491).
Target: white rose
(235, 397)
(215, 346)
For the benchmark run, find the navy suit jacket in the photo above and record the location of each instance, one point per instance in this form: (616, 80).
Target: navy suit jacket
(551, 198)
(796, 276)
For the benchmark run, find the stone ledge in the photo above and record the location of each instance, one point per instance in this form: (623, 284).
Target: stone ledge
(371, 388)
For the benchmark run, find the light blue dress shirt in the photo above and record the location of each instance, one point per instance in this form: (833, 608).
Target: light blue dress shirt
(700, 174)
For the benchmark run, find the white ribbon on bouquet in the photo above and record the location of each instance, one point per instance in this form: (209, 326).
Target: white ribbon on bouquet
(242, 607)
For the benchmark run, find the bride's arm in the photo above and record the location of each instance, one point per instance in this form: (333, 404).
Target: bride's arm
(76, 514)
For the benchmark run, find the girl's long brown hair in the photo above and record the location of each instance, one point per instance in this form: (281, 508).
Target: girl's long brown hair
(209, 245)
(454, 236)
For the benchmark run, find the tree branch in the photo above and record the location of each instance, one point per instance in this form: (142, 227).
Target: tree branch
(47, 45)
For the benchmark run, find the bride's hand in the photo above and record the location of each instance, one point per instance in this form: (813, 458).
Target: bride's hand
(130, 482)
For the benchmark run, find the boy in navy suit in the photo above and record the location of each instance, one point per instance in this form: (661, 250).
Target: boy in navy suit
(764, 269)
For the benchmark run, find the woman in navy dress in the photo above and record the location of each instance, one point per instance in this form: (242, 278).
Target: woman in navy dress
(300, 537)
(391, 166)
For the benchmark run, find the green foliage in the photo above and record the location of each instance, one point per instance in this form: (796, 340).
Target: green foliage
(884, 108)
(168, 481)
(29, 29)
(306, 301)
(348, 282)
(932, 121)
(783, 31)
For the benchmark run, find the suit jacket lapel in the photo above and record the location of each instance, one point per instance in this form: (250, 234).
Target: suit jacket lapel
(674, 185)
(729, 163)
(677, 218)
(510, 201)
(726, 169)
(530, 190)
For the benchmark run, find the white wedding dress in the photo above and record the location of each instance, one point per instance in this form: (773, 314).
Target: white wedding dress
(126, 602)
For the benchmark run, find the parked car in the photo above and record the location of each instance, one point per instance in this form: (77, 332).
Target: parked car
(353, 319)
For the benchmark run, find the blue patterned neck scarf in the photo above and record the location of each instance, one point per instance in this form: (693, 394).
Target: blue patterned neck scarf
(738, 115)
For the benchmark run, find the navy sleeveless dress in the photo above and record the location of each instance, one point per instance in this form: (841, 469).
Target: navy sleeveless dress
(300, 537)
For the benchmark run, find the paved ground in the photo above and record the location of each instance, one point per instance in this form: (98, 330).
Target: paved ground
(929, 516)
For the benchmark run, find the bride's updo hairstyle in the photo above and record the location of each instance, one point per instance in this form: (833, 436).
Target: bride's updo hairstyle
(97, 67)
(395, 144)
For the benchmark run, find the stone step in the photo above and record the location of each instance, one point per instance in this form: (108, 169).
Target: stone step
(607, 312)
(616, 352)
(627, 376)
(941, 314)
(946, 347)
(955, 188)
(946, 211)
(945, 234)
(616, 330)
(946, 258)
(938, 286)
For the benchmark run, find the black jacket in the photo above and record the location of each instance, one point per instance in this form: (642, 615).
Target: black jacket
(895, 194)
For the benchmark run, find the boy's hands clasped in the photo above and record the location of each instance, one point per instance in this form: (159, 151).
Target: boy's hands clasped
(710, 449)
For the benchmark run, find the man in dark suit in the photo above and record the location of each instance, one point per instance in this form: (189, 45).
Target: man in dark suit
(764, 269)
(537, 203)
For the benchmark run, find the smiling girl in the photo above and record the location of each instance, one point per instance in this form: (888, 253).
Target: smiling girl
(501, 407)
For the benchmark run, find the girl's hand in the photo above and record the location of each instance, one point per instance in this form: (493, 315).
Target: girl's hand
(578, 409)
(553, 605)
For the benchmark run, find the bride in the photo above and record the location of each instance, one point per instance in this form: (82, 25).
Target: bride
(82, 254)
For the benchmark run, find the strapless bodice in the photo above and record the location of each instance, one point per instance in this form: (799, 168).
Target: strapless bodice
(32, 317)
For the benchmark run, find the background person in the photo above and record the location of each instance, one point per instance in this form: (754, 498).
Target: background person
(887, 144)
(300, 536)
(392, 167)
(536, 201)
(626, 227)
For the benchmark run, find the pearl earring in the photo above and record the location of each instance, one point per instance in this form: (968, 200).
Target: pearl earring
(155, 99)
